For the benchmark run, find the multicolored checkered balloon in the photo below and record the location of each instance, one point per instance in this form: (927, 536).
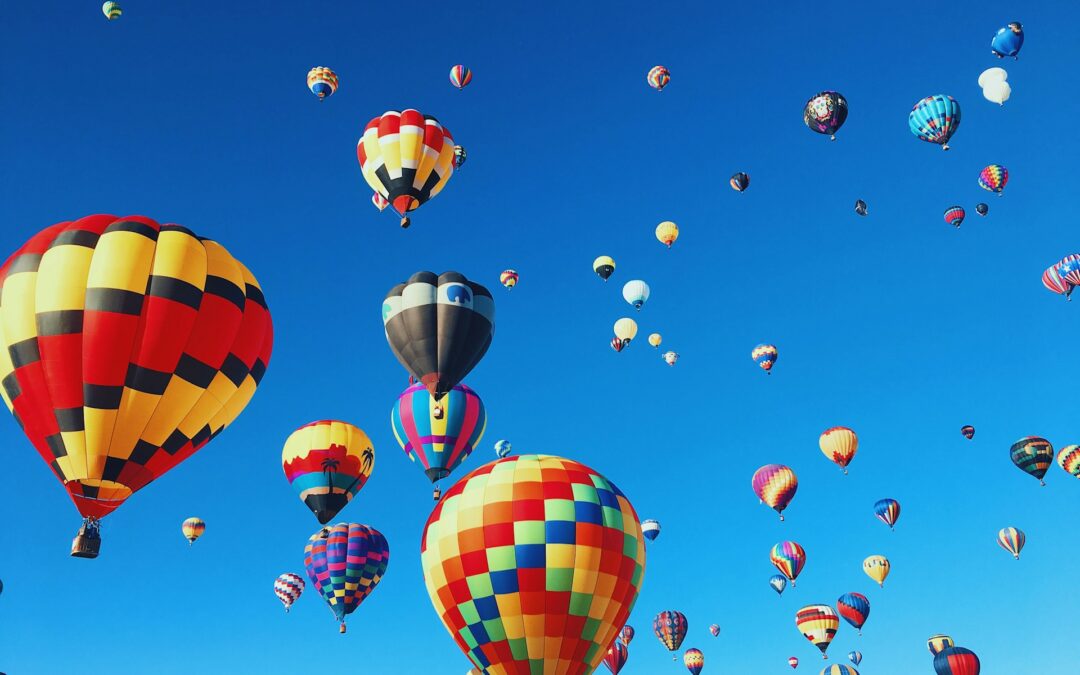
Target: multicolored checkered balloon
(533, 563)
(345, 563)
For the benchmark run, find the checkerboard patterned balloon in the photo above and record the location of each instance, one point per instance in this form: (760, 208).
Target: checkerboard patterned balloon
(534, 563)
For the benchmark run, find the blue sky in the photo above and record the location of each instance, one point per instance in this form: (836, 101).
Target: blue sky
(896, 325)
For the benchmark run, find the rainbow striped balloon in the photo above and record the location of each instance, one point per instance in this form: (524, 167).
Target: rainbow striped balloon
(1012, 540)
(789, 558)
(694, 660)
(658, 77)
(1068, 458)
(993, 178)
(887, 511)
(460, 76)
(775, 485)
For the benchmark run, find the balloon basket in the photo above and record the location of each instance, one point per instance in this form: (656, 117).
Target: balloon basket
(87, 543)
(341, 629)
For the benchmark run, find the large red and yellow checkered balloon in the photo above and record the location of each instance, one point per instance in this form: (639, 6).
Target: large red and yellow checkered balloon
(129, 345)
(534, 563)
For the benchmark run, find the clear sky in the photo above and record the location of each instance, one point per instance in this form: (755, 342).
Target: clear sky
(895, 324)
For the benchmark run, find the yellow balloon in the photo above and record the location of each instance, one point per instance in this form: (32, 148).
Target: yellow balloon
(667, 232)
(839, 444)
(655, 339)
(626, 329)
(877, 567)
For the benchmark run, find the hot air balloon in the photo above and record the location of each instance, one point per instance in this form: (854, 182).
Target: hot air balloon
(508, 278)
(994, 177)
(995, 85)
(460, 76)
(1068, 458)
(658, 77)
(616, 657)
(854, 608)
(538, 532)
(193, 528)
(838, 669)
(670, 358)
(968, 431)
(740, 181)
(1006, 42)
(789, 558)
(670, 627)
(440, 435)
(655, 339)
(937, 643)
(288, 588)
(379, 201)
(775, 485)
(129, 346)
(111, 10)
(626, 635)
(625, 330)
(667, 232)
(839, 444)
(345, 563)
(778, 583)
(636, 293)
(982, 209)
(818, 624)
(439, 327)
(887, 511)
(825, 113)
(860, 207)
(765, 356)
(1012, 540)
(617, 344)
(694, 660)
(1053, 281)
(604, 266)
(954, 215)
(957, 661)
(1033, 455)
(855, 657)
(502, 448)
(651, 529)
(714, 630)
(407, 157)
(327, 462)
(935, 119)
(877, 567)
(459, 156)
(322, 82)
(793, 661)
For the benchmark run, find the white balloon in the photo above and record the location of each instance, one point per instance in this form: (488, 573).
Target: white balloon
(997, 92)
(992, 75)
(636, 292)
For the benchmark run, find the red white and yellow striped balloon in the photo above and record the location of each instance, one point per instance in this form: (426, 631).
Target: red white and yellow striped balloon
(1068, 458)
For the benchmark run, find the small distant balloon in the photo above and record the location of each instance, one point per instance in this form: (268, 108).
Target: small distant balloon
(995, 88)
(460, 76)
(670, 357)
(617, 344)
(855, 657)
(459, 156)
(887, 511)
(111, 10)
(825, 113)
(604, 266)
(740, 181)
(778, 583)
(1012, 540)
(694, 661)
(1007, 41)
(714, 630)
(616, 657)
(626, 634)
(322, 82)
(793, 661)
(957, 661)
(968, 431)
(651, 529)
(1068, 458)
(658, 77)
(877, 567)
(775, 485)
(765, 356)
(937, 643)
(655, 339)
(839, 444)
(379, 201)
(626, 330)
(954, 215)
(994, 178)
(193, 528)
(818, 624)
(789, 558)
(1032, 455)
(667, 232)
(854, 608)
(838, 669)
(670, 627)
(508, 278)
(636, 292)
(860, 207)
(288, 588)
(502, 448)
(982, 209)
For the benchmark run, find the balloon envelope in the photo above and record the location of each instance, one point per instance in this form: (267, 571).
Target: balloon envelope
(956, 661)
(935, 119)
(670, 628)
(439, 434)
(775, 485)
(193, 528)
(288, 588)
(512, 555)
(345, 563)
(825, 113)
(322, 82)
(1008, 40)
(326, 463)
(818, 624)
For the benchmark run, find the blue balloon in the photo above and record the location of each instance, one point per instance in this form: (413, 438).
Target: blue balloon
(1008, 40)
(935, 119)
(855, 657)
(778, 583)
